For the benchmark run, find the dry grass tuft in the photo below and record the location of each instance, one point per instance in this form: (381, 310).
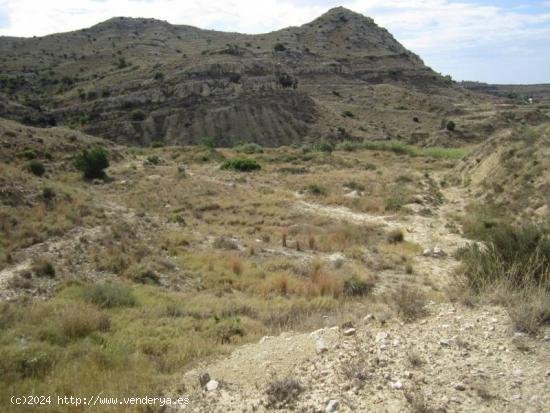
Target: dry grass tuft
(409, 302)
(283, 392)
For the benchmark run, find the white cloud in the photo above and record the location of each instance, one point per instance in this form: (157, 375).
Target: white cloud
(436, 29)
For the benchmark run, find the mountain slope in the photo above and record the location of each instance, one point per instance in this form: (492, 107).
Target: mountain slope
(138, 80)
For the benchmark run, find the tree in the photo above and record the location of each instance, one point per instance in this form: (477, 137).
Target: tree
(92, 162)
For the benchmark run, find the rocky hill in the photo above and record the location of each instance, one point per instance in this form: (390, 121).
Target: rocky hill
(539, 93)
(140, 80)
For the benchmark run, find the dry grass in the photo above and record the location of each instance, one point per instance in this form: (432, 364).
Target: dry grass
(513, 269)
(418, 402)
(216, 296)
(409, 302)
(283, 392)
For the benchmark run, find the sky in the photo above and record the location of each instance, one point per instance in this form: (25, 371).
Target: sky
(505, 41)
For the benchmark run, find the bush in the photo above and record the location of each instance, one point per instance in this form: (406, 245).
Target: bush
(36, 167)
(42, 267)
(279, 47)
(514, 266)
(315, 189)
(281, 393)
(520, 256)
(227, 328)
(241, 164)
(355, 286)
(324, 146)
(409, 302)
(28, 154)
(79, 321)
(153, 160)
(347, 114)
(159, 76)
(157, 144)
(92, 162)
(137, 115)
(48, 194)
(109, 295)
(451, 126)
(393, 203)
(395, 236)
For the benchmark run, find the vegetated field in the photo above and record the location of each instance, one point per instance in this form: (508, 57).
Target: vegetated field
(169, 262)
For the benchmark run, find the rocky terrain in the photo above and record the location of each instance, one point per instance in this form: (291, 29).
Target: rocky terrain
(455, 360)
(307, 220)
(142, 80)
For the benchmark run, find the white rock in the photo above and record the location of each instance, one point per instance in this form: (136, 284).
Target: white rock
(438, 252)
(349, 331)
(368, 318)
(397, 385)
(332, 406)
(212, 385)
(265, 338)
(382, 336)
(444, 343)
(321, 346)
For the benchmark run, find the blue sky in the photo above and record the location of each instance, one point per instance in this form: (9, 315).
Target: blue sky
(504, 41)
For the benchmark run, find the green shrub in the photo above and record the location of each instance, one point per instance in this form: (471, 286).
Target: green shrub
(92, 162)
(42, 267)
(403, 149)
(315, 189)
(226, 328)
(26, 362)
(48, 194)
(153, 160)
(249, 148)
(159, 76)
(393, 203)
(28, 154)
(395, 236)
(279, 47)
(137, 115)
(520, 256)
(241, 164)
(451, 126)
(157, 144)
(109, 295)
(36, 167)
(347, 114)
(355, 286)
(513, 266)
(324, 146)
